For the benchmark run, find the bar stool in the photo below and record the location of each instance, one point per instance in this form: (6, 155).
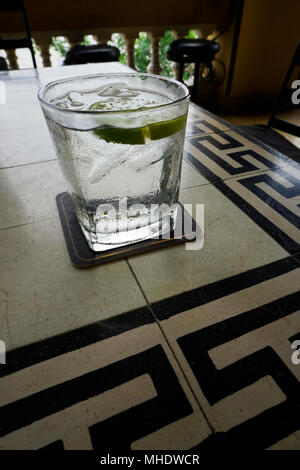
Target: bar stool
(92, 53)
(196, 51)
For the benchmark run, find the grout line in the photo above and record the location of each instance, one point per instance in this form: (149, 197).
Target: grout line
(195, 185)
(29, 223)
(26, 164)
(168, 343)
(138, 282)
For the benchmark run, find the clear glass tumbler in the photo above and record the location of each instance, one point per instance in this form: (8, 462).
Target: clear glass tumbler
(119, 141)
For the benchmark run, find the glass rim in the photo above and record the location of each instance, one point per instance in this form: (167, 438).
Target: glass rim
(43, 90)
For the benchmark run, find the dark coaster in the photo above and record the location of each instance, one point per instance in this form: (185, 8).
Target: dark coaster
(82, 256)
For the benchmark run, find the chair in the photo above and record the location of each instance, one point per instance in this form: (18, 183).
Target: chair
(17, 43)
(92, 53)
(197, 51)
(269, 136)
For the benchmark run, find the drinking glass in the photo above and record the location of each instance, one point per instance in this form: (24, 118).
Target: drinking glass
(119, 141)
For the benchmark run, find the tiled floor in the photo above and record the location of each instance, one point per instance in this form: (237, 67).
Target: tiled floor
(173, 349)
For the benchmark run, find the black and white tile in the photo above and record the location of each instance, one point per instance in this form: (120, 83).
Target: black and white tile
(233, 340)
(81, 390)
(261, 182)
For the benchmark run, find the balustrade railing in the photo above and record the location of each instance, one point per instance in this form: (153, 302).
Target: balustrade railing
(44, 42)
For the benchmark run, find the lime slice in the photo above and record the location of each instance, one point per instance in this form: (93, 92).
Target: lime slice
(159, 130)
(138, 135)
(119, 135)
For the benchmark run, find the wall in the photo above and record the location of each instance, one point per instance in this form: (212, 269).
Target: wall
(270, 31)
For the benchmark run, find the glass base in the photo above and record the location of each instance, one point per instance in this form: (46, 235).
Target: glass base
(108, 241)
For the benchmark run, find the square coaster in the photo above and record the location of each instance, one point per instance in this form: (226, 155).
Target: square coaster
(82, 256)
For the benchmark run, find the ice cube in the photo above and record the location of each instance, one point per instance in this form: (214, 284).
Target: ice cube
(140, 160)
(128, 93)
(75, 99)
(62, 104)
(112, 156)
(117, 89)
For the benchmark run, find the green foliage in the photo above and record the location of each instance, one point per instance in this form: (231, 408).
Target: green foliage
(192, 34)
(60, 44)
(164, 62)
(118, 41)
(86, 40)
(142, 55)
(36, 48)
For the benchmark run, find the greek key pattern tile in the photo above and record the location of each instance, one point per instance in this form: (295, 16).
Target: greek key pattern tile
(225, 155)
(82, 389)
(234, 340)
(264, 184)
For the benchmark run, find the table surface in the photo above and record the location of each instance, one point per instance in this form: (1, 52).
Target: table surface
(193, 348)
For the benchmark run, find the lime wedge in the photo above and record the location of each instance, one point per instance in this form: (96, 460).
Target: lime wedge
(159, 130)
(138, 135)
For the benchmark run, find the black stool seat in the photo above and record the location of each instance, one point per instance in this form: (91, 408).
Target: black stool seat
(197, 51)
(192, 50)
(92, 53)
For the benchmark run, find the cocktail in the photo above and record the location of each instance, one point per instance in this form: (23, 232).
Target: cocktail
(119, 141)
